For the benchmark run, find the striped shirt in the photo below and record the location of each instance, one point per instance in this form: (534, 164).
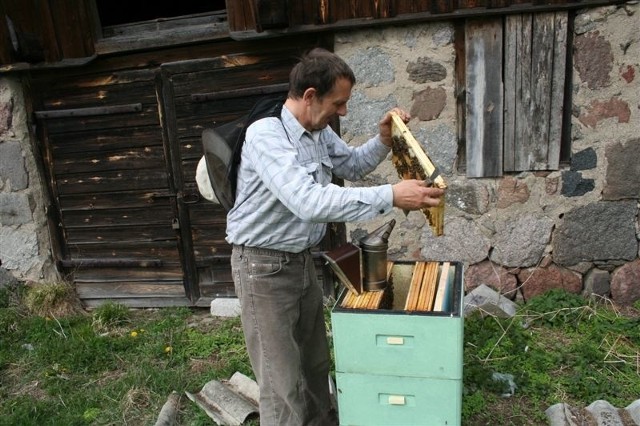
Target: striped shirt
(284, 194)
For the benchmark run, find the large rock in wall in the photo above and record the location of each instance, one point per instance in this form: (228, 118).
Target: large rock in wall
(25, 247)
(575, 228)
(603, 231)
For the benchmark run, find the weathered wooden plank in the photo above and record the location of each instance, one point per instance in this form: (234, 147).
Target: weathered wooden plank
(471, 4)
(141, 93)
(351, 9)
(147, 117)
(524, 81)
(120, 234)
(169, 37)
(233, 59)
(140, 302)
(191, 149)
(191, 117)
(240, 15)
(484, 111)
(219, 289)
(120, 268)
(166, 251)
(33, 17)
(406, 6)
(73, 28)
(141, 216)
(460, 92)
(113, 200)
(132, 29)
(109, 181)
(68, 83)
(206, 256)
(99, 161)
(209, 234)
(511, 68)
(557, 89)
(249, 91)
(249, 76)
(119, 290)
(138, 274)
(89, 112)
(6, 48)
(207, 213)
(105, 140)
(215, 273)
(442, 6)
(542, 61)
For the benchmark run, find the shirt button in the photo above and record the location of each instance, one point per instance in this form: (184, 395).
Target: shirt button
(381, 211)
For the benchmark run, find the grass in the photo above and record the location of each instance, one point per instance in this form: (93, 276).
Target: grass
(117, 366)
(560, 347)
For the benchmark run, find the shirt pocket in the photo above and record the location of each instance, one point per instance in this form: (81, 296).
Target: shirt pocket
(320, 172)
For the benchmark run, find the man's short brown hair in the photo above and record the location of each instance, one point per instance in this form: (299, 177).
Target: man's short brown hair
(319, 69)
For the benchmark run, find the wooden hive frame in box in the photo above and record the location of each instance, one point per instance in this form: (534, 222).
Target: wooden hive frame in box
(411, 162)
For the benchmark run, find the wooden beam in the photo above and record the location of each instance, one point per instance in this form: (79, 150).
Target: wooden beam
(484, 112)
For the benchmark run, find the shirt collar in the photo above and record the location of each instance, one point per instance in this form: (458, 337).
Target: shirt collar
(293, 126)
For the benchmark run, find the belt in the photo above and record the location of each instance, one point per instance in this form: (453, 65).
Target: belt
(269, 252)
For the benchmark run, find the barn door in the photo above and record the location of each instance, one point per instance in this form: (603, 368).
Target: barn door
(113, 211)
(198, 94)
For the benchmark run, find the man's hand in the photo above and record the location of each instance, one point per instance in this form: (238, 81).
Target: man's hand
(385, 125)
(412, 194)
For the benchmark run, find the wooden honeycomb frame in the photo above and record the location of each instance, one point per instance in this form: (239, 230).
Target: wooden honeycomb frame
(411, 162)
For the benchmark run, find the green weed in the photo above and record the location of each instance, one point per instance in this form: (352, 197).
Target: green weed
(560, 347)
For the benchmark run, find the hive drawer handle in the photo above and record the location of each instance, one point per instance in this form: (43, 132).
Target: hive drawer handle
(396, 400)
(392, 340)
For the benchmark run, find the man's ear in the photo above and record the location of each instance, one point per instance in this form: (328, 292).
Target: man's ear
(309, 95)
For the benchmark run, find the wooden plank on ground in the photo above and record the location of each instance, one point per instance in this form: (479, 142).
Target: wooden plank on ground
(484, 110)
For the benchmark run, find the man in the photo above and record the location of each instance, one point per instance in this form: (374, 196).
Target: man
(284, 198)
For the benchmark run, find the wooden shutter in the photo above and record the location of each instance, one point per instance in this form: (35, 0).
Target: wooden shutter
(515, 84)
(535, 60)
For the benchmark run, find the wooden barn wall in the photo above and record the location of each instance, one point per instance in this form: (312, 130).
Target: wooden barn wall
(47, 30)
(114, 198)
(253, 18)
(120, 140)
(207, 92)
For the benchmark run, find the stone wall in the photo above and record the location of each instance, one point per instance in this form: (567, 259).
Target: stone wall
(575, 228)
(24, 239)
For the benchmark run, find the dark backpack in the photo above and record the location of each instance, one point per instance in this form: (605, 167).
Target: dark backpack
(222, 147)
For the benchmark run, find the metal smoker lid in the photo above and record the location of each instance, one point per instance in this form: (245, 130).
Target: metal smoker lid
(379, 237)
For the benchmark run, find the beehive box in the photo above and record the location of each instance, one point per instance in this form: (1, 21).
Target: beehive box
(396, 366)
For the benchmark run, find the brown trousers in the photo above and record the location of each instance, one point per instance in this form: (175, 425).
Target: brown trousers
(283, 322)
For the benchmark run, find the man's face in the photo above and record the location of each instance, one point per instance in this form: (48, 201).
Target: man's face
(333, 103)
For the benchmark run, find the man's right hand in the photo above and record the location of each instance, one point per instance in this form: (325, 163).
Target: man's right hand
(412, 194)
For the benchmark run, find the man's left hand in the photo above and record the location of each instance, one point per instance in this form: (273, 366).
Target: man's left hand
(385, 125)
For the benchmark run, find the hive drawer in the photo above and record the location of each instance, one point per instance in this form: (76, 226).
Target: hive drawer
(371, 399)
(398, 344)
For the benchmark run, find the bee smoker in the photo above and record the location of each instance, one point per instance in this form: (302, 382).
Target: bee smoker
(374, 257)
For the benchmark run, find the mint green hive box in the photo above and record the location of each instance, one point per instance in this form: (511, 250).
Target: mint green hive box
(395, 367)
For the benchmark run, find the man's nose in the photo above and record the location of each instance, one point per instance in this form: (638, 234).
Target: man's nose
(342, 111)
